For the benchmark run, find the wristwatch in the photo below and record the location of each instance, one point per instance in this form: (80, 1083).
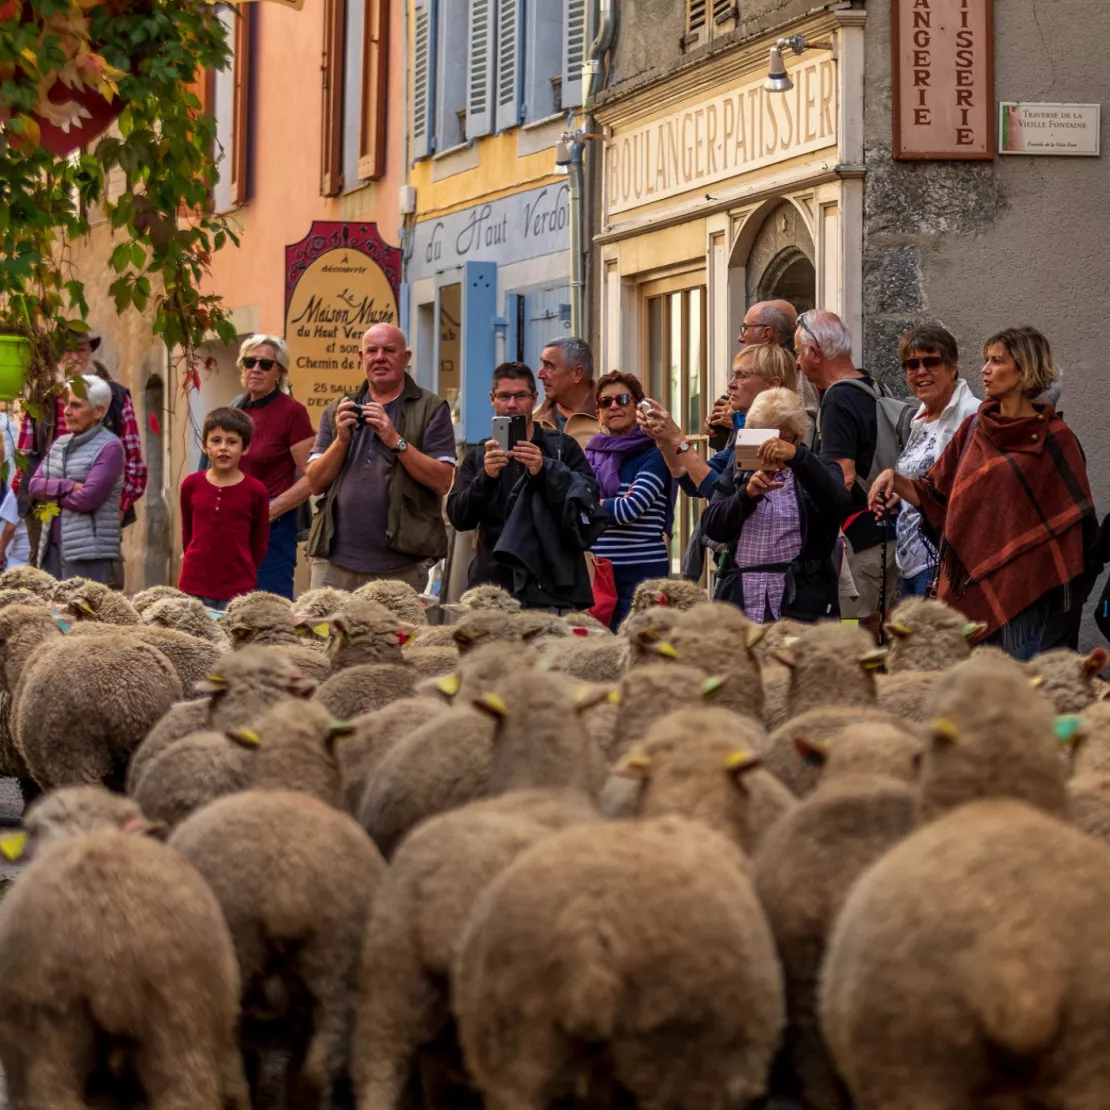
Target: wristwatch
(401, 446)
(683, 447)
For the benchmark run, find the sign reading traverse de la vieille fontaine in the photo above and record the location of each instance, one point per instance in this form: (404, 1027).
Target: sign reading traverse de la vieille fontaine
(340, 280)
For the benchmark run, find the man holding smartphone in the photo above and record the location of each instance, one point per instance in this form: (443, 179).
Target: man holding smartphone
(518, 492)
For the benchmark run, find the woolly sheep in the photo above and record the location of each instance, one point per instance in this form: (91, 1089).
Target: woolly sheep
(488, 597)
(586, 621)
(480, 670)
(807, 863)
(23, 629)
(438, 636)
(297, 939)
(990, 735)
(185, 614)
(432, 884)
(1069, 680)
(246, 684)
(365, 688)
(398, 597)
(969, 967)
(258, 604)
(114, 962)
(558, 972)
(19, 597)
(149, 597)
(647, 629)
(671, 593)
(701, 764)
(77, 714)
(364, 632)
(1091, 740)
(29, 578)
(83, 599)
(266, 620)
(817, 729)
(430, 662)
(589, 658)
(830, 663)
(319, 604)
(927, 635)
(1089, 803)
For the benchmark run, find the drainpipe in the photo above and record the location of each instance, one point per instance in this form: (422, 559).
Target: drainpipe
(577, 256)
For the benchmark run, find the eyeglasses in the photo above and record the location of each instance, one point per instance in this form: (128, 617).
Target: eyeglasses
(748, 327)
(929, 362)
(505, 398)
(621, 399)
(743, 375)
(266, 363)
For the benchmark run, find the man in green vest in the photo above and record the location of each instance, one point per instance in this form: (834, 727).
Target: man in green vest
(384, 460)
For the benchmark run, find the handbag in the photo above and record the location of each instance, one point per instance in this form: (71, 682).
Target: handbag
(604, 587)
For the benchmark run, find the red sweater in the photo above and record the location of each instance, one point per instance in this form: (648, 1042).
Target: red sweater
(224, 532)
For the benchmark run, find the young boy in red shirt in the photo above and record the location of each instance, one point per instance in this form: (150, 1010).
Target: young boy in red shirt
(225, 516)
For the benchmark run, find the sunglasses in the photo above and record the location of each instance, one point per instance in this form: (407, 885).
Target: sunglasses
(265, 363)
(621, 399)
(929, 362)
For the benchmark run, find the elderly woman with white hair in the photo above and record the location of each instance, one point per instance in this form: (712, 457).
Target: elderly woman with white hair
(280, 446)
(779, 523)
(79, 486)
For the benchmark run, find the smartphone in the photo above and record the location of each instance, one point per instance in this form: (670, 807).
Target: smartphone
(509, 431)
(646, 407)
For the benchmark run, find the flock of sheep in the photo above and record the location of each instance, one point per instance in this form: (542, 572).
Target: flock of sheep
(521, 863)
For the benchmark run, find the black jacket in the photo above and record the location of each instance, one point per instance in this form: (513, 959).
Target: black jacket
(812, 582)
(531, 536)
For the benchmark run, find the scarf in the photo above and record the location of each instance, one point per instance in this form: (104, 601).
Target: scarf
(1007, 500)
(605, 453)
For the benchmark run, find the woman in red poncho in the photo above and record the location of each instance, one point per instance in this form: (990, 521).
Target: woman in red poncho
(1008, 500)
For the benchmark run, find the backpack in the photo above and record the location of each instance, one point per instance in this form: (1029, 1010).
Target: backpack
(893, 418)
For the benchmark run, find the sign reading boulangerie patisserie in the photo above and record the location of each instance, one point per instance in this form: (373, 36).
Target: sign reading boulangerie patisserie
(943, 63)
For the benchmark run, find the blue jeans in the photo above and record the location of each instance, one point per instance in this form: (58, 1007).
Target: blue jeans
(275, 574)
(916, 585)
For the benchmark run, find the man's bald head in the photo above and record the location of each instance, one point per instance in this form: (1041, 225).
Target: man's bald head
(384, 333)
(788, 310)
(767, 323)
(385, 358)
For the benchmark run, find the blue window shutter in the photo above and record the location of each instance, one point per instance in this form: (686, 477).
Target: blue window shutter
(423, 80)
(480, 66)
(478, 349)
(514, 339)
(508, 63)
(574, 51)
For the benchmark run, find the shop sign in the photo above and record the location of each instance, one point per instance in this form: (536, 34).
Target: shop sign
(1062, 129)
(512, 229)
(340, 280)
(943, 70)
(729, 134)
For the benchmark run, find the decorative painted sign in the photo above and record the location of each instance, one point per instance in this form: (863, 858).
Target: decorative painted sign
(723, 135)
(511, 229)
(943, 70)
(1061, 129)
(340, 280)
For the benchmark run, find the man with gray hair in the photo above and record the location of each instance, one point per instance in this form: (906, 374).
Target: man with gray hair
(567, 374)
(847, 431)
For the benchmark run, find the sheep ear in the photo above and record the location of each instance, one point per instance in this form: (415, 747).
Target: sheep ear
(238, 632)
(1094, 663)
(531, 633)
(244, 737)
(590, 696)
(427, 601)
(462, 637)
(785, 656)
(341, 729)
(668, 651)
(337, 626)
(1037, 681)
(647, 636)
(143, 826)
(13, 845)
(873, 660)
(898, 628)
(756, 634)
(813, 752)
(301, 686)
(944, 730)
(211, 684)
(974, 629)
(491, 704)
(634, 767)
(405, 633)
(448, 685)
(1069, 729)
(85, 607)
(739, 764)
(712, 686)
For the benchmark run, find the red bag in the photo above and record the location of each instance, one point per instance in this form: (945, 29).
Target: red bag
(605, 590)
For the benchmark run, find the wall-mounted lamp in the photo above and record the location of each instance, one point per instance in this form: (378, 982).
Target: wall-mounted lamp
(778, 80)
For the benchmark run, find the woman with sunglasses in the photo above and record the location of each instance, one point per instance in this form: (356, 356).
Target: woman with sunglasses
(280, 445)
(930, 361)
(635, 488)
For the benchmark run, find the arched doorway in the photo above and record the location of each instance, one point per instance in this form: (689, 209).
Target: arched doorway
(780, 262)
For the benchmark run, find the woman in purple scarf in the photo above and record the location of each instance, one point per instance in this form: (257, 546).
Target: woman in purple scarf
(635, 487)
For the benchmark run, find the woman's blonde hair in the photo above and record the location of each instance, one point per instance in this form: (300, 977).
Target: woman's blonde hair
(1030, 350)
(280, 350)
(769, 362)
(779, 408)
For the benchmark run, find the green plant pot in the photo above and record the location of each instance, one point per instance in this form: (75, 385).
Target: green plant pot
(15, 358)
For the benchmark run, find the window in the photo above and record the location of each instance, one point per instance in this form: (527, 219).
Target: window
(375, 77)
(231, 108)
(707, 19)
(523, 62)
(331, 68)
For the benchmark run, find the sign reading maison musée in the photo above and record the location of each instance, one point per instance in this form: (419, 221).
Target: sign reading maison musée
(512, 229)
(943, 69)
(733, 132)
(340, 280)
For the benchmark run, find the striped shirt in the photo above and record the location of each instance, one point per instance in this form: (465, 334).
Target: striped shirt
(640, 510)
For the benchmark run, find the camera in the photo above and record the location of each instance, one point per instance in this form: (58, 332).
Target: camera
(360, 416)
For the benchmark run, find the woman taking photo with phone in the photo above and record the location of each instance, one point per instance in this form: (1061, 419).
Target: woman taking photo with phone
(635, 488)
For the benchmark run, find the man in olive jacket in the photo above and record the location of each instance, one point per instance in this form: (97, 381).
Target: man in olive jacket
(384, 474)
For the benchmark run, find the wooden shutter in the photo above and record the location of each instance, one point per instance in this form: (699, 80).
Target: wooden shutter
(240, 117)
(375, 79)
(479, 69)
(695, 16)
(331, 138)
(574, 40)
(423, 137)
(723, 10)
(508, 63)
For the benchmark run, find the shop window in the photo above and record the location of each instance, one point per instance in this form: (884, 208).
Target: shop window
(708, 19)
(231, 108)
(678, 376)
